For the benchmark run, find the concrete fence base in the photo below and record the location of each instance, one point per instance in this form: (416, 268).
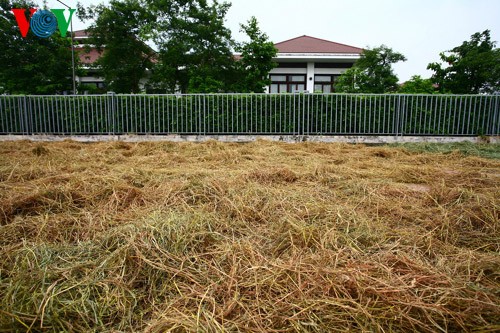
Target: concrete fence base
(251, 138)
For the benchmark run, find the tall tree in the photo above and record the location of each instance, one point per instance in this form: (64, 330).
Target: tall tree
(195, 48)
(118, 33)
(372, 73)
(31, 65)
(472, 68)
(256, 58)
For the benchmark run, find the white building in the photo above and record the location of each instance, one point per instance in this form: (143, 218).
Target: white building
(305, 64)
(310, 64)
(88, 55)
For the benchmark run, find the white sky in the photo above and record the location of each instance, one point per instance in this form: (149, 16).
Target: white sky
(419, 29)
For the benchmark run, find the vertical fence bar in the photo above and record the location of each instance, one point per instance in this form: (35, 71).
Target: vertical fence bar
(304, 113)
(81, 120)
(73, 117)
(413, 114)
(488, 122)
(67, 107)
(437, 130)
(282, 114)
(13, 124)
(67, 102)
(8, 119)
(496, 131)
(64, 113)
(329, 111)
(320, 114)
(3, 113)
(403, 116)
(156, 103)
(428, 113)
(27, 114)
(467, 128)
(8, 115)
(85, 115)
(339, 110)
(366, 113)
(453, 115)
(62, 102)
(24, 112)
(230, 128)
(204, 119)
(48, 114)
(175, 120)
(41, 114)
(397, 115)
(17, 120)
(54, 119)
(76, 115)
(19, 116)
(38, 114)
(481, 120)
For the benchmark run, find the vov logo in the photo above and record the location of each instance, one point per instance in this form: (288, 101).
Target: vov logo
(43, 22)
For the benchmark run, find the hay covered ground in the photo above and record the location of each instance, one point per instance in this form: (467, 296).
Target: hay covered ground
(257, 237)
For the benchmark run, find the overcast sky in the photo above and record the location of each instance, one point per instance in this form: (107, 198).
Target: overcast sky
(419, 29)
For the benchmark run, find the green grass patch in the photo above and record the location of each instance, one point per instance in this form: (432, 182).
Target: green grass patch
(486, 150)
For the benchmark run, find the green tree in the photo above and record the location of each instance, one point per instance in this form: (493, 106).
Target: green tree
(195, 48)
(372, 73)
(32, 65)
(117, 33)
(417, 85)
(256, 58)
(472, 68)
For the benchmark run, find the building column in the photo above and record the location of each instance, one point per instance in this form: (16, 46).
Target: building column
(310, 77)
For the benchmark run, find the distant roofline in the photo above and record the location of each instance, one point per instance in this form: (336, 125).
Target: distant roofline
(319, 39)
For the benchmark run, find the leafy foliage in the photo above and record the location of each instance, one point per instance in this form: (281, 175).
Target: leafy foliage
(31, 65)
(372, 73)
(256, 58)
(473, 67)
(195, 48)
(417, 85)
(126, 57)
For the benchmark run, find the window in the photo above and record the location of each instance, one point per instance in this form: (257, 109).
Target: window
(325, 83)
(287, 83)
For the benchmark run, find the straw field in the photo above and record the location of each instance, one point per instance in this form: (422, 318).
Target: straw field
(255, 237)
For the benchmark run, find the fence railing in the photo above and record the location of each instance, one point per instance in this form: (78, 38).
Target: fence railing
(278, 114)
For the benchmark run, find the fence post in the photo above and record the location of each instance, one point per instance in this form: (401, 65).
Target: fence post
(397, 110)
(28, 114)
(203, 117)
(111, 112)
(495, 123)
(24, 117)
(302, 107)
(307, 107)
(402, 117)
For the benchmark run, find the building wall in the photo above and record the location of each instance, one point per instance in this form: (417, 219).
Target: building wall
(314, 79)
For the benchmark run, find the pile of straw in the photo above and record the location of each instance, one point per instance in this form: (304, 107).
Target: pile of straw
(258, 237)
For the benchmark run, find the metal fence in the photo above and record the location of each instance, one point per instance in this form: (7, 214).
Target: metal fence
(278, 114)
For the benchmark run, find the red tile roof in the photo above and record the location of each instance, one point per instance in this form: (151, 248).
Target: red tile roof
(307, 44)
